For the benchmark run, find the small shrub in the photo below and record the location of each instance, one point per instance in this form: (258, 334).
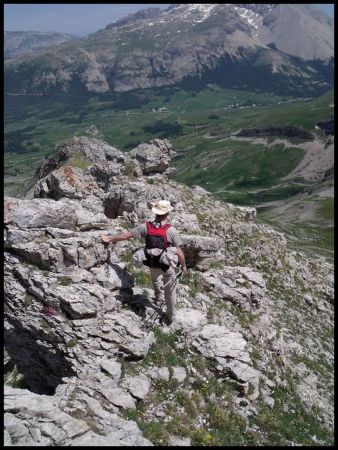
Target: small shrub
(44, 324)
(142, 279)
(65, 281)
(28, 300)
(130, 169)
(72, 343)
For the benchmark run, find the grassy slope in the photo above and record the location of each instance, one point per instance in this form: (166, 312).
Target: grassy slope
(200, 121)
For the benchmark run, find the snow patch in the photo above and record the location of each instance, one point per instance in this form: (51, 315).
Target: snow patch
(251, 17)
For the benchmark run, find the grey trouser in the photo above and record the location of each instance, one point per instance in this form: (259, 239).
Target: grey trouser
(161, 278)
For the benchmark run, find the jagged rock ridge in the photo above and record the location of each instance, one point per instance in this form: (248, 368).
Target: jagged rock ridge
(75, 313)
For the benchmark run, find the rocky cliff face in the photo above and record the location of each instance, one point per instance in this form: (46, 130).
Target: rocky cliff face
(157, 48)
(85, 353)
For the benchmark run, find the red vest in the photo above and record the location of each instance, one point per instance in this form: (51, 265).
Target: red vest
(157, 237)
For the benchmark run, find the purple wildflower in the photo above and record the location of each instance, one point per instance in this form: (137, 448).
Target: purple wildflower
(48, 311)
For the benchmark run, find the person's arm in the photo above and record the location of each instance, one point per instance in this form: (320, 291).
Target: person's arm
(181, 259)
(118, 237)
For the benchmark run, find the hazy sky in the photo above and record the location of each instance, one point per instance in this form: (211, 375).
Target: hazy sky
(78, 19)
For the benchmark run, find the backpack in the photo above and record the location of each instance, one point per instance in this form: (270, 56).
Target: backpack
(156, 238)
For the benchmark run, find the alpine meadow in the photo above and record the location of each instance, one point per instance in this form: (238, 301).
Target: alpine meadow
(220, 116)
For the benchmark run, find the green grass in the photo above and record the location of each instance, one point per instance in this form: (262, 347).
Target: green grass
(288, 420)
(77, 160)
(326, 209)
(33, 126)
(223, 426)
(236, 171)
(164, 352)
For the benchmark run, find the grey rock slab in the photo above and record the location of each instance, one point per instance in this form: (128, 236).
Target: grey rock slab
(252, 276)
(204, 244)
(39, 213)
(179, 441)
(119, 397)
(248, 213)
(17, 237)
(127, 334)
(111, 367)
(113, 439)
(7, 439)
(218, 341)
(159, 372)
(189, 320)
(14, 426)
(51, 421)
(179, 374)
(186, 223)
(35, 433)
(138, 386)
(63, 182)
(91, 439)
(76, 303)
(242, 371)
(113, 276)
(153, 157)
(90, 149)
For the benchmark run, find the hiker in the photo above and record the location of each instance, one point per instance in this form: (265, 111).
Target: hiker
(158, 234)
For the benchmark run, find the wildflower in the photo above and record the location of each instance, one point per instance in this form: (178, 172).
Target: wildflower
(48, 311)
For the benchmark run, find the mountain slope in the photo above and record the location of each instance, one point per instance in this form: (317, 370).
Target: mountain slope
(29, 42)
(249, 360)
(186, 41)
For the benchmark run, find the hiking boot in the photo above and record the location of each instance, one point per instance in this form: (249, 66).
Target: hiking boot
(166, 321)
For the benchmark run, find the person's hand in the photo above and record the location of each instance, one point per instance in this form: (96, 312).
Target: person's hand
(105, 239)
(185, 269)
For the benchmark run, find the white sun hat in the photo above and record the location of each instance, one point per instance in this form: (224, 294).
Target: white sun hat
(162, 207)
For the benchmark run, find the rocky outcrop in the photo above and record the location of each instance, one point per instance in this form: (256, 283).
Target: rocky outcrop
(153, 157)
(82, 335)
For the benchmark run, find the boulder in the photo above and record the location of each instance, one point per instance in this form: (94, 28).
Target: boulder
(153, 157)
(138, 386)
(39, 213)
(119, 397)
(113, 368)
(189, 320)
(179, 374)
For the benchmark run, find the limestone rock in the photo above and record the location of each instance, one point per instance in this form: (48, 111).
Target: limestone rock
(138, 386)
(39, 213)
(91, 150)
(113, 276)
(119, 397)
(113, 368)
(51, 421)
(189, 320)
(75, 304)
(153, 157)
(160, 372)
(218, 341)
(179, 442)
(179, 374)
